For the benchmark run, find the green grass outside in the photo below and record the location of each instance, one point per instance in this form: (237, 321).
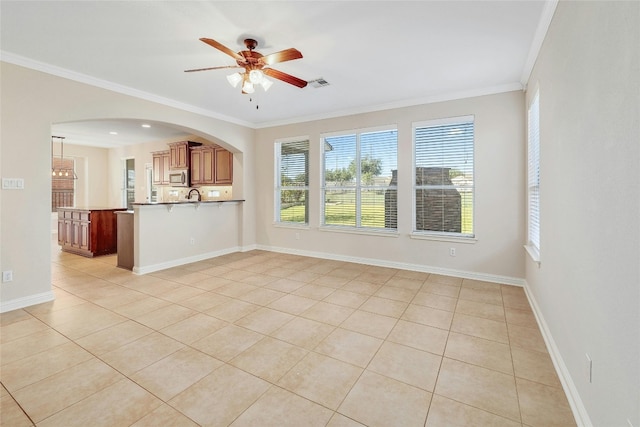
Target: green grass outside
(340, 210)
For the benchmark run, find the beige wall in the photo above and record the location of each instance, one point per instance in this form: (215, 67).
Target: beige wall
(91, 167)
(586, 290)
(499, 202)
(31, 102)
(587, 287)
(142, 155)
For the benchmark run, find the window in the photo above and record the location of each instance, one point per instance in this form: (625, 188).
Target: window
(292, 182)
(62, 183)
(444, 191)
(533, 178)
(359, 185)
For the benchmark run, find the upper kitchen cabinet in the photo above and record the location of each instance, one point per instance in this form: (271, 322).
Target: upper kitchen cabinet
(224, 166)
(179, 154)
(161, 162)
(211, 165)
(202, 165)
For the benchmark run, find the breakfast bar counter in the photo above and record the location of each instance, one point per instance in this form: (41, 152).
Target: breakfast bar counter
(169, 234)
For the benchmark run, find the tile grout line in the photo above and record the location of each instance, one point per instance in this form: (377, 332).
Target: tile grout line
(397, 319)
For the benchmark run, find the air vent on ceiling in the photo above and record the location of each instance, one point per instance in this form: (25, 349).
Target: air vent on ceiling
(319, 83)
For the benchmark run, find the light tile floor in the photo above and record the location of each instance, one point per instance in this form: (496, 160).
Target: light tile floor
(266, 339)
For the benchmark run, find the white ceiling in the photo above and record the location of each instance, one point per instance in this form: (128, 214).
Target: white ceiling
(374, 54)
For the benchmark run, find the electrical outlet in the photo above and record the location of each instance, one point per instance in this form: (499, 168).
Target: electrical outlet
(452, 251)
(7, 276)
(297, 236)
(192, 240)
(588, 367)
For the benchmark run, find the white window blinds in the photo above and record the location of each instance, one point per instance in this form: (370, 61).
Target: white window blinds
(292, 182)
(359, 185)
(533, 179)
(444, 181)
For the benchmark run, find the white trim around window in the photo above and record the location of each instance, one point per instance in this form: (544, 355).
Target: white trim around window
(443, 179)
(291, 182)
(359, 180)
(533, 178)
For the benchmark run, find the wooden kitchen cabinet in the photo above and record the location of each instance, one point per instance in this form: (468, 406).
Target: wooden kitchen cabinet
(161, 162)
(125, 239)
(211, 165)
(88, 232)
(202, 164)
(223, 166)
(179, 154)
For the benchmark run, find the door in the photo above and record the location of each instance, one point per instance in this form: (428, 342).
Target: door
(129, 187)
(149, 180)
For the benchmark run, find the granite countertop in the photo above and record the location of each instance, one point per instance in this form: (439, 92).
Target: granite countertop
(186, 202)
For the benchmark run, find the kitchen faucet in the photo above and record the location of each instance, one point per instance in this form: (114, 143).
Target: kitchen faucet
(197, 192)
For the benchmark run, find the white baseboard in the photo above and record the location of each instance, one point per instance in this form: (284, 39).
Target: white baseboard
(182, 261)
(27, 301)
(577, 407)
(248, 248)
(494, 278)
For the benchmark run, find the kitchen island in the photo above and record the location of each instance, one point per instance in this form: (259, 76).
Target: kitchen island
(88, 231)
(169, 234)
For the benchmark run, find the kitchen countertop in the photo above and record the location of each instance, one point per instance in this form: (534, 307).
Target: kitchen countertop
(90, 208)
(186, 202)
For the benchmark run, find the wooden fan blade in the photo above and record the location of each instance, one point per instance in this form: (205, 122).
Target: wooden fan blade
(287, 78)
(223, 48)
(211, 68)
(282, 56)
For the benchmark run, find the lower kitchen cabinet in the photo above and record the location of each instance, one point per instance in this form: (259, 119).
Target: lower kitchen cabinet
(89, 232)
(125, 239)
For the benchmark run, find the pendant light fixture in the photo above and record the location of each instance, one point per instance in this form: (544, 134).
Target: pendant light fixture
(61, 172)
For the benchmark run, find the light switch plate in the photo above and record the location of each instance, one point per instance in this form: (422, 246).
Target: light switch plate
(13, 183)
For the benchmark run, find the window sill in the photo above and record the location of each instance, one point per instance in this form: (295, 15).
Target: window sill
(291, 225)
(441, 238)
(367, 232)
(534, 254)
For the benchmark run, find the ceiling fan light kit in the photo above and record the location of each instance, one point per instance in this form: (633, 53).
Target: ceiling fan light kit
(247, 87)
(234, 79)
(256, 66)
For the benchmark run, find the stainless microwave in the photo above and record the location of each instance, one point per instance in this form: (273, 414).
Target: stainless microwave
(179, 178)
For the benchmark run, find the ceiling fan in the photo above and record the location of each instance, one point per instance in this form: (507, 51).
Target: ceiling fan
(256, 66)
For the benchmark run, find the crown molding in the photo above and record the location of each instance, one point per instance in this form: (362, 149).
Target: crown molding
(538, 39)
(126, 90)
(114, 87)
(451, 96)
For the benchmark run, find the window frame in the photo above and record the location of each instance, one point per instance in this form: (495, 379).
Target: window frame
(533, 178)
(277, 219)
(358, 186)
(443, 235)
